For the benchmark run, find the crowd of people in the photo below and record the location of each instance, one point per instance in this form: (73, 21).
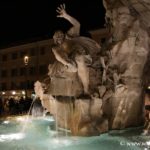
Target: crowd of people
(11, 106)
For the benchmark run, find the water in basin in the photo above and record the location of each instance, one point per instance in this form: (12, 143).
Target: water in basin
(19, 133)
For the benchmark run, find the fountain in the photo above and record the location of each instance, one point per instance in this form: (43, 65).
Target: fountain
(99, 88)
(92, 90)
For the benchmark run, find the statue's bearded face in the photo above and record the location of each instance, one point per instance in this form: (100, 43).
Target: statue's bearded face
(59, 37)
(122, 16)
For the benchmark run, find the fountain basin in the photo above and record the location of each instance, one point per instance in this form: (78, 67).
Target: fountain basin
(38, 135)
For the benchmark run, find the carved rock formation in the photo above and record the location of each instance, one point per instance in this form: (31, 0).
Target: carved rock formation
(129, 54)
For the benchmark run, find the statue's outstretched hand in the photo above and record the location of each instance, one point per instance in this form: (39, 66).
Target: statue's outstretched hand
(61, 11)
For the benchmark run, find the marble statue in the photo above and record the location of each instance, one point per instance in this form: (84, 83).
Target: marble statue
(73, 52)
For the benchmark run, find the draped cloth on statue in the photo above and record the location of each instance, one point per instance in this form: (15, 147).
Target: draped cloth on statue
(88, 44)
(79, 45)
(63, 81)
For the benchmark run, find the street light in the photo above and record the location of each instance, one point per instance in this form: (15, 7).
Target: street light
(26, 61)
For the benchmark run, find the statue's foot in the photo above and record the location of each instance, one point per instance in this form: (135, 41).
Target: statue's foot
(84, 96)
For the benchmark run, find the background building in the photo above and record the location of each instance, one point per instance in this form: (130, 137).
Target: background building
(16, 77)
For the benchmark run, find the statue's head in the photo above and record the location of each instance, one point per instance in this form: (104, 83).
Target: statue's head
(58, 37)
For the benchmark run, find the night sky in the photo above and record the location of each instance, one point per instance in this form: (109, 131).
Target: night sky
(30, 19)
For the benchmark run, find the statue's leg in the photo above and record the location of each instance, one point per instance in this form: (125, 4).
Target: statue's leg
(83, 72)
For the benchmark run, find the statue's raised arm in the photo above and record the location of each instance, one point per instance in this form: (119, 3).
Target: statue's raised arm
(75, 29)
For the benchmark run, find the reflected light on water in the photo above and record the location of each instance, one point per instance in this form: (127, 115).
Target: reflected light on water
(148, 143)
(12, 136)
(6, 122)
(60, 142)
(23, 119)
(51, 119)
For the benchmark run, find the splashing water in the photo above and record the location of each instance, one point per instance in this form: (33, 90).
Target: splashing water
(26, 121)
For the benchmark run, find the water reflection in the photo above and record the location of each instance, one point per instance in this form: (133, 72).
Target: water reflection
(6, 122)
(12, 136)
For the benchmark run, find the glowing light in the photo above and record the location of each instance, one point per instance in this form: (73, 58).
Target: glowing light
(13, 92)
(10, 137)
(6, 122)
(3, 93)
(26, 60)
(59, 141)
(51, 119)
(148, 143)
(148, 87)
(56, 141)
(20, 119)
(23, 119)
(23, 92)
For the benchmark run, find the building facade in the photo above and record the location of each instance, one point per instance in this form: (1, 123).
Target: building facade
(17, 77)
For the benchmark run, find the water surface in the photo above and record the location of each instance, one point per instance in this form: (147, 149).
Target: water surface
(20, 133)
